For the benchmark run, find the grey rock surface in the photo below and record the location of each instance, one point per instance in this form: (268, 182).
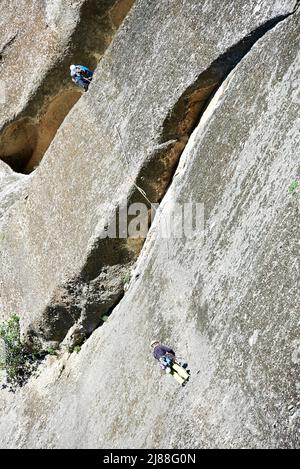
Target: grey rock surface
(11, 185)
(39, 41)
(226, 299)
(31, 42)
(159, 53)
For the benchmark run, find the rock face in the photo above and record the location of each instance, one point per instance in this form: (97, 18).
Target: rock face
(11, 185)
(61, 224)
(36, 50)
(33, 111)
(226, 298)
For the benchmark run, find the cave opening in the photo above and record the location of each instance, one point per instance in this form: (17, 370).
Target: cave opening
(24, 142)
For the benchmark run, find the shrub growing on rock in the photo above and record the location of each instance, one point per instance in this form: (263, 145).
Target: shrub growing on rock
(14, 359)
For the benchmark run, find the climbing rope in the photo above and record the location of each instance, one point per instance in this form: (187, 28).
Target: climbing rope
(127, 163)
(130, 177)
(142, 192)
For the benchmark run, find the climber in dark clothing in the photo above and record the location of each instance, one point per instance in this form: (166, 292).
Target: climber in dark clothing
(160, 350)
(165, 355)
(81, 75)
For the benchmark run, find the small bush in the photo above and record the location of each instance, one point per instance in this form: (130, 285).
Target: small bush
(126, 278)
(293, 187)
(14, 360)
(51, 351)
(75, 348)
(17, 362)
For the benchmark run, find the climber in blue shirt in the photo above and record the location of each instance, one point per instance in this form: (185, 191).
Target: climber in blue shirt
(81, 75)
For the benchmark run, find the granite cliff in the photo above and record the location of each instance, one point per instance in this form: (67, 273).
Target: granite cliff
(191, 102)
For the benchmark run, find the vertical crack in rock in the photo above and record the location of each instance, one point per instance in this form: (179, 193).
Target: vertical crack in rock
(186, 113)
(188, 110)
(6, 46)
(79, 305)
(24, 141)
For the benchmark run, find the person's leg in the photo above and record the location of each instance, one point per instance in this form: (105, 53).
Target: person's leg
(181, 362)
(181, 371)
(178, 378)
(83, 83)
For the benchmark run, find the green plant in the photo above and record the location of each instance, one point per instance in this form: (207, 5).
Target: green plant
(51, 351)
(126, 278)
(74, 348)
(294, 186)
(14, 359)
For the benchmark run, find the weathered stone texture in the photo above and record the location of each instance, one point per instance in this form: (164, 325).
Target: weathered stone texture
(161, 50)
(39, 41)
(226, 300)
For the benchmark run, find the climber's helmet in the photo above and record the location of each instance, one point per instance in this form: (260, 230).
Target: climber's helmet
(154, 342)
(72, 68)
